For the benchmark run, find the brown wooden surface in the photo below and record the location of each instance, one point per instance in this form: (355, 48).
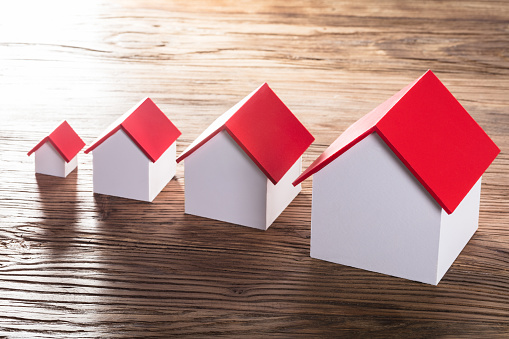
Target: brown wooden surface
(75, 264)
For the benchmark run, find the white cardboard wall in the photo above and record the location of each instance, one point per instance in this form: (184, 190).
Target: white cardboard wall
(457, 229)
(281, 195)
(71, 165)
(222, 183)
(49, 161)
(161, 171)
(369, 212)
(121, 168)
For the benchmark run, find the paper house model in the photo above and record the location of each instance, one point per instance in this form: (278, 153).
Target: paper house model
(57, 153)
(398, 192)
(241, 168)
(135, 157)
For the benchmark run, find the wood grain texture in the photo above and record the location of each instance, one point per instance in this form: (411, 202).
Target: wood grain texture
(75, 264)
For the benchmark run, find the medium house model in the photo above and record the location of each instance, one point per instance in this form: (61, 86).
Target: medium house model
(398, 192)
(57, 153)
(241, 168)
(135, 157)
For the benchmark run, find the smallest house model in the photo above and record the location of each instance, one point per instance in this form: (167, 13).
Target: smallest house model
(240, 169)
(135, 157)
(398, 192)
(57, 153)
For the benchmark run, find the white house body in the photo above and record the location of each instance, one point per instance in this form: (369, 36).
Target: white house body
(121, 169)
(398, 192)
(223, 183)
(241, 168)
(57, 153)
(48, 161)
(135, 157)
(370, 212)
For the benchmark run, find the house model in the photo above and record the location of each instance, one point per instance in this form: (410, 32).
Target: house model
(57, 153)
(135, 157)
(398, 192)
(241, 168)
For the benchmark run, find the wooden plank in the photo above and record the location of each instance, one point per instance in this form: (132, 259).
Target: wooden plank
(74, 264)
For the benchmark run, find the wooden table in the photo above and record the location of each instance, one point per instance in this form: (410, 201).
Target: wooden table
(75, 264)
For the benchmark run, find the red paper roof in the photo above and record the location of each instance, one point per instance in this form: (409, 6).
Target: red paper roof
(147, 126)
(265, 129)
(431, 133)
(64, 139)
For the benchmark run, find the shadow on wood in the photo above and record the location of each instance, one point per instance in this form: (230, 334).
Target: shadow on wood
(59, 205)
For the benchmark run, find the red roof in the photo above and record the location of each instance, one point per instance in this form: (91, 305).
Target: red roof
(147, 126)
(64, 140)
(431, 133)
(265, 129)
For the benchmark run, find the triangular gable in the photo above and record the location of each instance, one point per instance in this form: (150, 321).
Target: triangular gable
(147, 126)
(431, 133)
(265, 129)
(65, 141)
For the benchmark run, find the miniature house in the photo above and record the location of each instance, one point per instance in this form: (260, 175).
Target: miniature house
(57, 153)
(398, 192)
(135, 157)
(241, 168)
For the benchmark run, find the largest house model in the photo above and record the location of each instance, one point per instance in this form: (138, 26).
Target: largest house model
(135, 156)
(398, 192)
(241, 168)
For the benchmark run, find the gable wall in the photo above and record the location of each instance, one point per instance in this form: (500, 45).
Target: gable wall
(120, 168)
(49, 161)
(369, 212)
(223, 183)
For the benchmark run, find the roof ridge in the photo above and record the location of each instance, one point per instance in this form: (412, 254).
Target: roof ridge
(207, 135)
(62, 127)
(321, 162)
(264, 128)
(140, 123)
(431, 133)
